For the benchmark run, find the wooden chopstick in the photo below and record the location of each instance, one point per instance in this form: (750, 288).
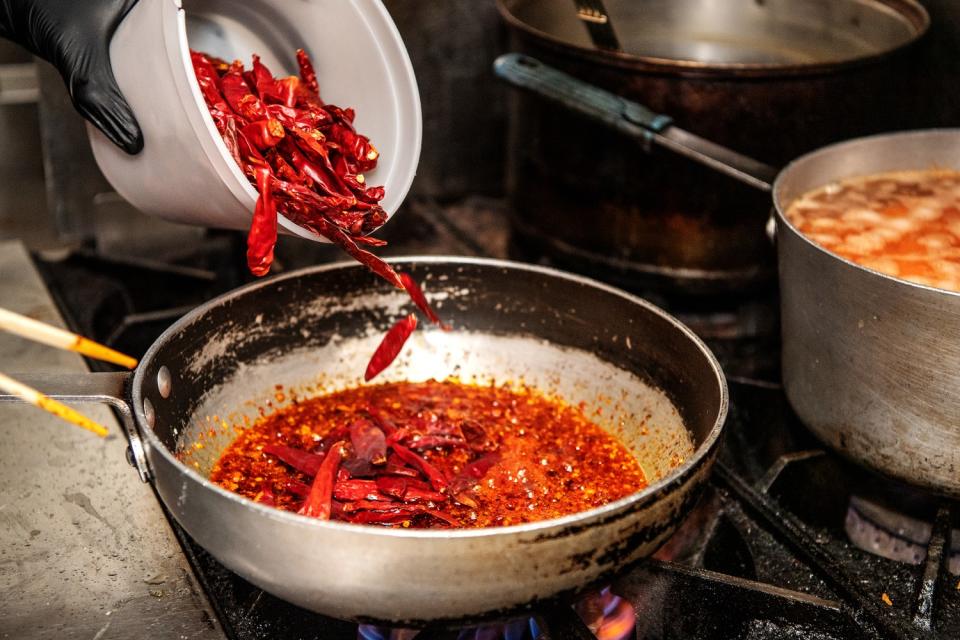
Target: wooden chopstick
(34, 397)
(54, 337)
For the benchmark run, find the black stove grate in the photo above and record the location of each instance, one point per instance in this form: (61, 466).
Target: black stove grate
(764, 555)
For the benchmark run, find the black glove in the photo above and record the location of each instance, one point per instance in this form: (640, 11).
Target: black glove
(74, 35)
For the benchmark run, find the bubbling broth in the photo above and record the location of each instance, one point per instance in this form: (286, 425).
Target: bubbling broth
(905, 224)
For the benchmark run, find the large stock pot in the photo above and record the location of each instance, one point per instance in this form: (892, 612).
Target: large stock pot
(871, 363)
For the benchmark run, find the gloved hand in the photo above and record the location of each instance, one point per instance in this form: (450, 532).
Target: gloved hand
(74, 35)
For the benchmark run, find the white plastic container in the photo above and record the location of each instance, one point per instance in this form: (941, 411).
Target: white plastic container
(185, 173)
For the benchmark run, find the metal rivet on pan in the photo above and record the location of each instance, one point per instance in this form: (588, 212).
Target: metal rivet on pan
(164, 382)
(148, 413)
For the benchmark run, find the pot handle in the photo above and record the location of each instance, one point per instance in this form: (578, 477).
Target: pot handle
(102, 388)
(629, 118)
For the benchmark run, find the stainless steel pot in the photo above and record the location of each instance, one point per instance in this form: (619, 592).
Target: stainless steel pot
(871, 364)
(314, 329)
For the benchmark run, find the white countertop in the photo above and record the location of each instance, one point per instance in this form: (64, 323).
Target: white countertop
(85, 550)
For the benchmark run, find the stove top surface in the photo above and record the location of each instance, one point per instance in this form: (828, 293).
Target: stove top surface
(789, 541)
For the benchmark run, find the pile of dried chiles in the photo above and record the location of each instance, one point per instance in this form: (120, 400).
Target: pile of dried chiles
(304, 156)
(429, 454)
(307, 162)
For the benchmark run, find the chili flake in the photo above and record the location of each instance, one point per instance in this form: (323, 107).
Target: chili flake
(430, 454)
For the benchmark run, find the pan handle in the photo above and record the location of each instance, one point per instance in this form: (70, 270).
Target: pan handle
(629, 118)
(102, 388)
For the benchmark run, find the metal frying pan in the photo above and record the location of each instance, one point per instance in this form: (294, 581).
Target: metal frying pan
(660, 390)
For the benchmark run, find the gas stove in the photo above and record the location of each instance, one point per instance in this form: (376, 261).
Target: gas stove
(789, 541)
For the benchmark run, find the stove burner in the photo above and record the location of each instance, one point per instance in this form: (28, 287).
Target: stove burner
(605, 615)
(608, 616)
(892, 535)
(519, 629)
(373, 632)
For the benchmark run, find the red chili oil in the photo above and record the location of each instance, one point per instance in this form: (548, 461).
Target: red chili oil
(536, 456)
